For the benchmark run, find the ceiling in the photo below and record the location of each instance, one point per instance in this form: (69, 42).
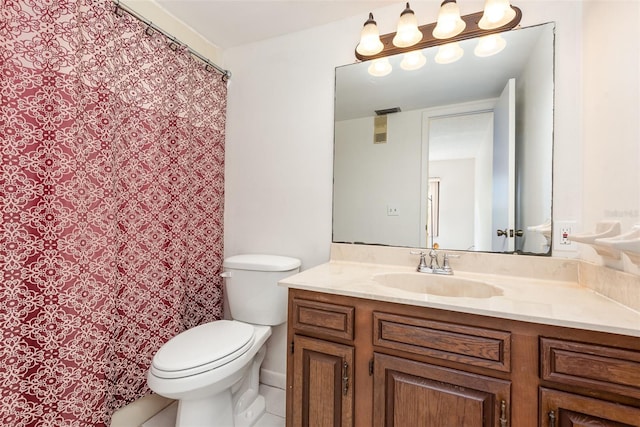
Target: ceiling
(229, 23)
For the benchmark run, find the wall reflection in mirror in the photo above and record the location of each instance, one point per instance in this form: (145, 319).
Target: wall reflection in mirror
(458, 154)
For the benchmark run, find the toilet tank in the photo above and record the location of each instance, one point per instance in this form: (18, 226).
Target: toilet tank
(251, 285)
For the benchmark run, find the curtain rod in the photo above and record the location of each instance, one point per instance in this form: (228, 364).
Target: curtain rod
(226, 74)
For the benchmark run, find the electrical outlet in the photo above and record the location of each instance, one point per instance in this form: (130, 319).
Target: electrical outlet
(562, 236)
(392, 210)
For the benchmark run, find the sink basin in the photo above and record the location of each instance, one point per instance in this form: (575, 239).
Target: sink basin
(433, 284)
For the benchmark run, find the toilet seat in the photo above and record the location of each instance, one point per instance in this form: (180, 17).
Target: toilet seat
(202, 349)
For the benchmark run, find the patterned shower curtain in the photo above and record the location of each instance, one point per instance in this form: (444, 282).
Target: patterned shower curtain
(111, 193)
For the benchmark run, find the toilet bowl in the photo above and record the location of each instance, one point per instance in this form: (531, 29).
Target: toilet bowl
(213, 369)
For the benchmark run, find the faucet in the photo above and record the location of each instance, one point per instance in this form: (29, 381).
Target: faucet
(434, 265)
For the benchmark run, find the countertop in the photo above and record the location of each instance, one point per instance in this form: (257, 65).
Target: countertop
(544, 301)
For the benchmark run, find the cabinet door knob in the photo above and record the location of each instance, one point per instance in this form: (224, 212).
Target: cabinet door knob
(503, 414)
(345, 378)
(552, 419)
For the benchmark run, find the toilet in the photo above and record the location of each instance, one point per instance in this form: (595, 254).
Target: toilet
(212, 370)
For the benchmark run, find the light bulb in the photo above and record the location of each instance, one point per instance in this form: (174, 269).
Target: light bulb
(497, 13)
(380, 67)
(448, 53)
(370, 43)
(407, 33)
(490, 45)
(413, 60)
(449, 22)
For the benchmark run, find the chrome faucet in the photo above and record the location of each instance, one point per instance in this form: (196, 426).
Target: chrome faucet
(434, 265)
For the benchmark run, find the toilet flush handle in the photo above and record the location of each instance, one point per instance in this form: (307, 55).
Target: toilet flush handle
(225, 274)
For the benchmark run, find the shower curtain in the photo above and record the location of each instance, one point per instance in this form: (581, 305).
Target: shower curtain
(111, 193)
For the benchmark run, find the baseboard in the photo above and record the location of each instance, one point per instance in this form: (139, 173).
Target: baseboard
(273, 378)
(275, 400)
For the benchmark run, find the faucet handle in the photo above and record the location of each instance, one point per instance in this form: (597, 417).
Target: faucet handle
(445, 262)
(423, 262)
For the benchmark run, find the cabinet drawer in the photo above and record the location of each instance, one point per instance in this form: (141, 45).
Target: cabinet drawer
(592, 366)
(331, 320)
(486, 348)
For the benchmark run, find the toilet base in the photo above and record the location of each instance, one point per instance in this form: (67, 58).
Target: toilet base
(203, 412)
(216, 411)
(248, 417)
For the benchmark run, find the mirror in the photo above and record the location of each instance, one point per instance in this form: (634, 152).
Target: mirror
(457, 154)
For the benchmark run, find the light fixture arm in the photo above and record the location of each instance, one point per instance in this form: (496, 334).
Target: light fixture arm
(471, 31)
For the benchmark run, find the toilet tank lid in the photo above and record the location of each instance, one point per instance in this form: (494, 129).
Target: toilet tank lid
(261, 262)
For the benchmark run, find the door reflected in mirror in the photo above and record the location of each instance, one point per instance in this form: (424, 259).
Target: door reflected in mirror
(466, 157)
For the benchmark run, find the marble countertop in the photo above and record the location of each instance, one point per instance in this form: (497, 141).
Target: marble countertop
(544, 301)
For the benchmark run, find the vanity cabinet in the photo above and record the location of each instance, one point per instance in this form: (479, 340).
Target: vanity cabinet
(410, 393)
(560, 409)
(321, 370)
(361, 362)
(323, 396)
(594, 368)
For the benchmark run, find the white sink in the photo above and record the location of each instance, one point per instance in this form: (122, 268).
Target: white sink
(433, 284)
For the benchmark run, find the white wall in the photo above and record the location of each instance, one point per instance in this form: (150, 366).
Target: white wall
(279, 155)
(611, 178)
(370, 177)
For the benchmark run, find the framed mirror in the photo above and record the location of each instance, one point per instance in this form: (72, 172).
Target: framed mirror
(458, 154)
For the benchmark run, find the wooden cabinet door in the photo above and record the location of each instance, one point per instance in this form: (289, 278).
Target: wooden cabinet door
(409, 393)
(560, 409)
(323, 383)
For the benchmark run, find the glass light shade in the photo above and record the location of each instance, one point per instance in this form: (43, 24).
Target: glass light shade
(449, 22)
(370, 43)
(490, 45)
(407, 33)
(380, 67)
(496, 14)
(413, 60)
(448, 53)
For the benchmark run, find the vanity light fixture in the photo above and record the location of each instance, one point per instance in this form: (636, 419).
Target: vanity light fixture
(498, 16)
(449, 22)
(370, 43)
(407, 33)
